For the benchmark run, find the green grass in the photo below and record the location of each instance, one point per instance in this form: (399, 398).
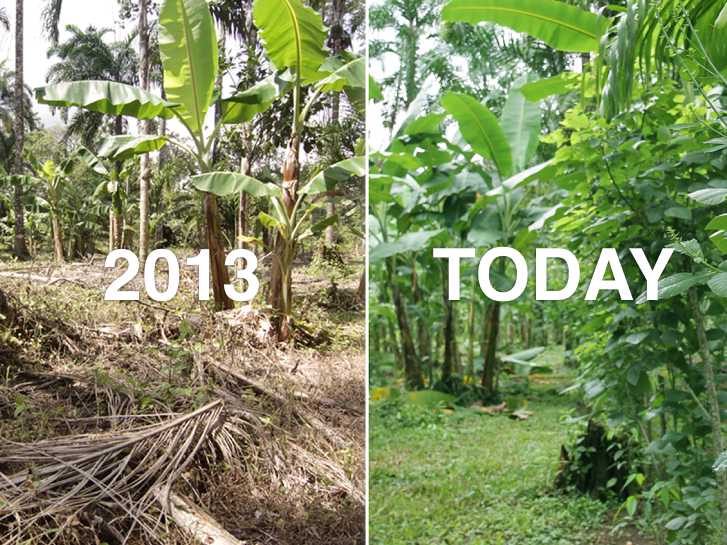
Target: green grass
(472, 479)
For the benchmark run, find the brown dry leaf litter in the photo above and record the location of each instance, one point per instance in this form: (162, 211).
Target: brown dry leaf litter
(146, 423)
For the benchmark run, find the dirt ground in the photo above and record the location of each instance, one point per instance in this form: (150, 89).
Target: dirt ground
(106, 403)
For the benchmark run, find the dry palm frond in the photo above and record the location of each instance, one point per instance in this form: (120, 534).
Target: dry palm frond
(128, 469)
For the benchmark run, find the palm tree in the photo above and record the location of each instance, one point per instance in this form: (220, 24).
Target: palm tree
(87, 56)
(411, 20)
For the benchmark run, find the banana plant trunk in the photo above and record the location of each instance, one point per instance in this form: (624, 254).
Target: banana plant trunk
(216, 245)
(57, 238)
(280, 287)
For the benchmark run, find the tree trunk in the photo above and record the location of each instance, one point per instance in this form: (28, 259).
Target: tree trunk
(220, 274)
(337, 11)
(19, 248)
(144, 169)
(361, 291)
(411, 364)
(112, 229)
(712, 404)
(493, 329)
(449, 354)
(424, 344)
(471, 351)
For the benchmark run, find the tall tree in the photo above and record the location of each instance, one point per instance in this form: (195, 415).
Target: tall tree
(338, 36)
(19, 247)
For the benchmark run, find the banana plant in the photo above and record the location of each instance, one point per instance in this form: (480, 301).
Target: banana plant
(289, 223)
(54, 181)
(294, 39)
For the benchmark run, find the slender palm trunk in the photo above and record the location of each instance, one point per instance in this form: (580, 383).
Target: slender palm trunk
(145, 170)
(20, 248)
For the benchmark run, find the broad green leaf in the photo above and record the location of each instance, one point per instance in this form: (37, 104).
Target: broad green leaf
(331, 176)
(106, 97)
(242, 107)
(718, 239)
(676, 284)
(226, 183)
(91, 160)
(292, 33)
(33, 160)
(348, 74)
(407, 160)
(718, 284)
(720, 222)
(405, 243)
(709, 195)
(559, 25)
(480, 129)
(121, 148)
(676, 523)
(520, 123)
(543, 88)
(324, 223)
(268, 221)
(634, 338)
(188, 48)
(678, 212)
(543, 172)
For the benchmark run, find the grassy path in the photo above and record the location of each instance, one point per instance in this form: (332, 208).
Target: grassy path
(472, 479)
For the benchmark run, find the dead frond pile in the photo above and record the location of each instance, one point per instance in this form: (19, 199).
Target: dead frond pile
(60, 478)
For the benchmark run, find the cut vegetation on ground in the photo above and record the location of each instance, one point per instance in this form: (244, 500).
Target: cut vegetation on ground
(143, 422)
